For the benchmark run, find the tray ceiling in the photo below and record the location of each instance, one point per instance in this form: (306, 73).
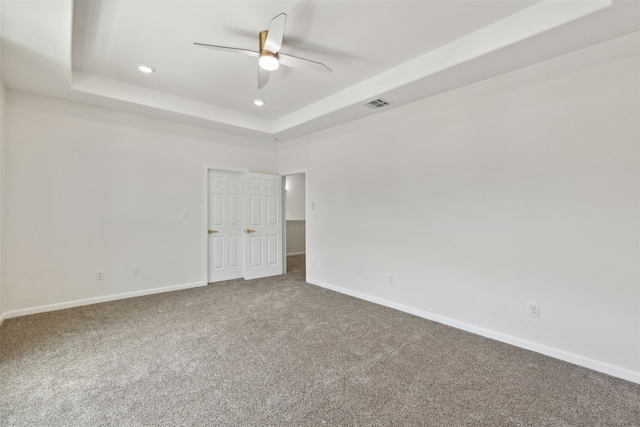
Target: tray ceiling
(400, 51)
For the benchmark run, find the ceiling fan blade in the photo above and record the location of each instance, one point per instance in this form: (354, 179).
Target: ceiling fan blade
(263, 77)
(295, 62)
(246, 52)
(276, 33)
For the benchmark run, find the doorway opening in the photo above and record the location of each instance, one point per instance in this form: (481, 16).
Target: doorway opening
(295, 220)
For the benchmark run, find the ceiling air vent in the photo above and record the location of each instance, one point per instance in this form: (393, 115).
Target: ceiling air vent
(377, 103)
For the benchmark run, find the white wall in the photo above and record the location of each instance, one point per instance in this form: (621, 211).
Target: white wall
(90, 189)
(522, 188)
(2, 143)
(295, 196)
(296, 237)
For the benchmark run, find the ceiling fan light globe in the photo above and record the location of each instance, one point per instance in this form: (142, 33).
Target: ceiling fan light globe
(268, 62)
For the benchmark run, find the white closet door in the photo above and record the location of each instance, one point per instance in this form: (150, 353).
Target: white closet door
(225, 226)
(263, 226)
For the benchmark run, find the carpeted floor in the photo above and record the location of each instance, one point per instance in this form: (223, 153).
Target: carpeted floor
(279, 352)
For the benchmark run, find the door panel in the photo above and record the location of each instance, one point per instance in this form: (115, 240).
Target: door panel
(272, 210)
(234, 210)
(264, 226)
(225, 224)
(234, 252)
(256, 251)
(216, 258)
(272, 249)
(256, 210)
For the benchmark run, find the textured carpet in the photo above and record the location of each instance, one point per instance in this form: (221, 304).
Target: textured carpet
(277, 352)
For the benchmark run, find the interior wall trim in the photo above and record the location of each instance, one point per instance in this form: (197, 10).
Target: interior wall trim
(576, 359)
(89, 301)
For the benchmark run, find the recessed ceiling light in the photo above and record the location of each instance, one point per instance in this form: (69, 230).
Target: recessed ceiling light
(146, 69)
(259, 102)
(273, 138)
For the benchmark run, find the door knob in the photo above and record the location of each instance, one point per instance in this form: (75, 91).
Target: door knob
(212, 231)
(249, 231)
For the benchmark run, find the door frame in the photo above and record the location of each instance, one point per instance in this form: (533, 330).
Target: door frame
(205, 216)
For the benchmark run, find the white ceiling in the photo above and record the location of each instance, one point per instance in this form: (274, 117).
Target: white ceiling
(87, 51)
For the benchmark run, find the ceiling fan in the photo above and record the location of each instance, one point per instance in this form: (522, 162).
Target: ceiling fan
(269, 56)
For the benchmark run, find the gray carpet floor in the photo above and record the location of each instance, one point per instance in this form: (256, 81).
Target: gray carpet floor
(280, 352)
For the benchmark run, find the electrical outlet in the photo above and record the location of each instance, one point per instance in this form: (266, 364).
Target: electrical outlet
(135, 270)
(99, 274)
(391, 280)
(534, 310)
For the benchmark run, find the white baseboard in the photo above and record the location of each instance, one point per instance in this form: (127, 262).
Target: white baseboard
(575, 359)
(2, 317)
(89, 301)
(296, 253)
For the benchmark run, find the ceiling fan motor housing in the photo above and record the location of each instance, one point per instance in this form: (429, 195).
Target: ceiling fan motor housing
(268, 60)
